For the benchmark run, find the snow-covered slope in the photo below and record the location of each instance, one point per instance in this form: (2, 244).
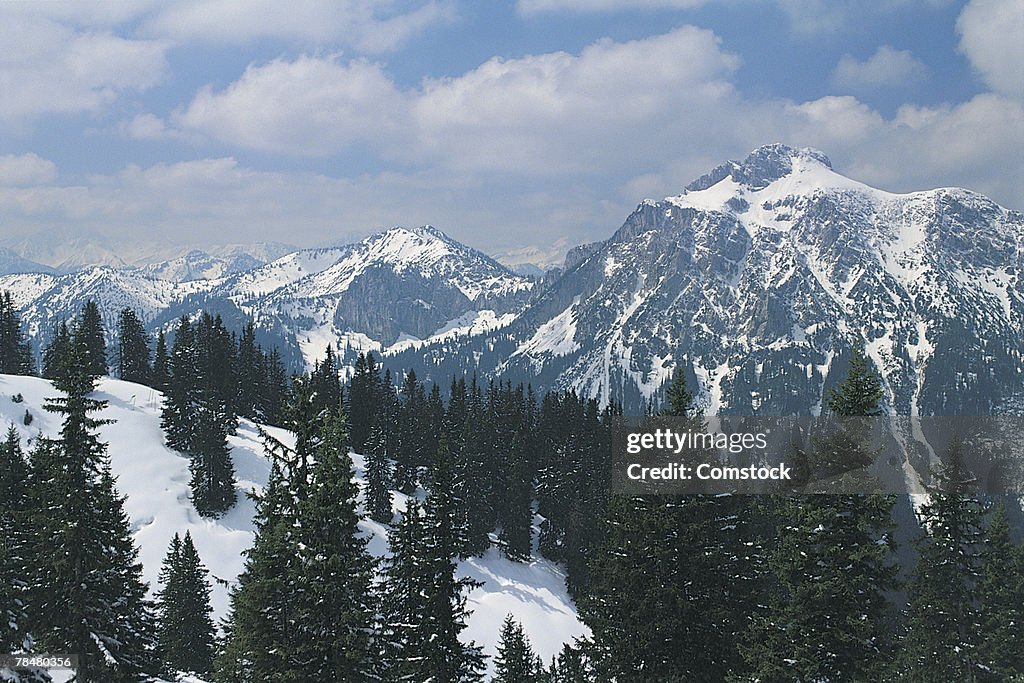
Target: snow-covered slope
(155, 481)
(758, 278)
(397, 286)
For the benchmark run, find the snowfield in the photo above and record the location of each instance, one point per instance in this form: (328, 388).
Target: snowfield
(154, 480)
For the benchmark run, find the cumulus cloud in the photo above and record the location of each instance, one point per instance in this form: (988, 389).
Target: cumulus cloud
(49, 67)
(532, 7)
(886, 68)
(369, 25)
(992, 38)
(26, 169)
(313, 106)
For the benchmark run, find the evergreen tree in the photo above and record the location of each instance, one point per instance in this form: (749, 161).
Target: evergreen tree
(445, 656)
(378, 476)
(14, 543)
(334, 607)
(160, 375)
(403, 632)
(1001, 597)
(179, 410)
(250, 375)
(89, 336)
(132, 348)
(55, 355)
(516, 661)
(185, 630)
(424, 604)
(87, 596)
(410, 450)
(260, 633)
(326, 382)
(15, 353)
(213, 472)
(943, 624)
(293, 615)
(828, 618)
(275, 387)
(363, 405)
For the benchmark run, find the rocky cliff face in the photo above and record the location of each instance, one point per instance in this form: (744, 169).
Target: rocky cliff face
(762, 274)
(756, 280)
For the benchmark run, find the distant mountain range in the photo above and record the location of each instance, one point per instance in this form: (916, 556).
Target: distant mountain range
(757, 279)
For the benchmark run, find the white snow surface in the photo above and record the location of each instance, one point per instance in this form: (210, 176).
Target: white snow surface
(154, 480)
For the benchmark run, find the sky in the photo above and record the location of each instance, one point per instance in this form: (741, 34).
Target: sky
(526, 123)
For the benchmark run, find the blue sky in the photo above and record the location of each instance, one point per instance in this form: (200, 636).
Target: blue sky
(506, 124)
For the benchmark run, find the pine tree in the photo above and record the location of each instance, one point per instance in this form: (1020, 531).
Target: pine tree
(378, 476)
(410, 449)
(185, 629)
(1001, 598)
(828, 618)
(260, 632)
(250, 375)
(89, 336)
(403, 601)
(14, 542)
(275, 387)
(363, 401)
(424, 604)
(445, 656)
(516, 661)
(213, 472)
(334, 608)
(87, 596)
(55, 355)
(160, 375)
(179, 409)
(15, 353)
(132, 348)
(943, 623)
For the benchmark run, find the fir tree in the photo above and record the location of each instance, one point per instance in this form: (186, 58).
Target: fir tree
(333, 610)
(378, 476)
(403, 632)
(250, 375)
(516, 661)
(132, 348)
(424, 604)
(363, 405)
(445, 656)
(828, 618)
(260, 633)
(179, 409)
(88, 596)
(55, 355)
(1001, 597)
(15, 353)
(160, 375)
(185, 630)
(89, 336)
(213, 472)
(14, 543)
(943, 623)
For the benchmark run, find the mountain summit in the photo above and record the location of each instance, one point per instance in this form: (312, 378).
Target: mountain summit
(760, 277)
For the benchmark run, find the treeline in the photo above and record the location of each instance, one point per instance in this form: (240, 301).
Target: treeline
(787, 587)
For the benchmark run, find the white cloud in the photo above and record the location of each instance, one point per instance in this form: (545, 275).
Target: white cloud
(886, 68)
(313, 106)
(992, 38)
(369, 25)
(26, 169)
(48, 67)
(565, 113)
(532, 7)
